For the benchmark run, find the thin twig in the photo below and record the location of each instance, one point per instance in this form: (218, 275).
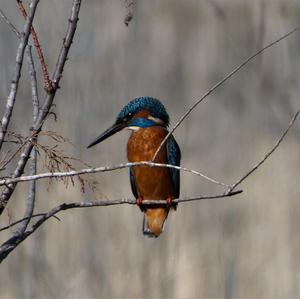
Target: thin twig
(221, 82)
(9, 23)
(267, 155)
(26, 178)
(17, 74)
(24, 219)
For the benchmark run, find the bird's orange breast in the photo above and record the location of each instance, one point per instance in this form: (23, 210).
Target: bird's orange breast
(150, 182)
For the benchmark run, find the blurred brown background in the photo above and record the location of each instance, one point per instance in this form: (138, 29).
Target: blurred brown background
(244, 247)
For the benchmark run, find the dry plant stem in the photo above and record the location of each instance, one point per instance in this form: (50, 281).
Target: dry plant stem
(7, 181)
(8, 190)
(47, 81)
(17, 74)
(221, 82)
(129, 15)
(267, 155)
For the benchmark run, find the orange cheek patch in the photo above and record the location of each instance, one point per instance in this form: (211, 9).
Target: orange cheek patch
(142, 113)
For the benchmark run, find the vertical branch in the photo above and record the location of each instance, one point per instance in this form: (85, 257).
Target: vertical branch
(33, 165)
(16, 77)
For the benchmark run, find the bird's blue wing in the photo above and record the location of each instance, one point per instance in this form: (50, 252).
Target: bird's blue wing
(132, 183)
(174, 156)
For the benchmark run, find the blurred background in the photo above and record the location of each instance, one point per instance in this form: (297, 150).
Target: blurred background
(247, 246)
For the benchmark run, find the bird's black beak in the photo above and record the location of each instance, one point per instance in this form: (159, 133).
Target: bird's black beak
(109, 132)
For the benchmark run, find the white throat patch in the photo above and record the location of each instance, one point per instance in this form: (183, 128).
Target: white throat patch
(133, 128)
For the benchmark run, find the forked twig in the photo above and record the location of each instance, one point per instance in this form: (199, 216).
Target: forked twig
(267, 155)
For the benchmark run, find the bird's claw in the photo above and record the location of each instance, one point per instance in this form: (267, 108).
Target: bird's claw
(139, 202)
(170, 203)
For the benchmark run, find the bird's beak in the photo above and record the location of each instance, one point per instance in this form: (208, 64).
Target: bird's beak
(109, 132)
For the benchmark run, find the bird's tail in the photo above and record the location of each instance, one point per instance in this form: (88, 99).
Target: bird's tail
(154, 219)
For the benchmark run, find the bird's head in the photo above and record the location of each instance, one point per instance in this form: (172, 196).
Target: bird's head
(139, 113)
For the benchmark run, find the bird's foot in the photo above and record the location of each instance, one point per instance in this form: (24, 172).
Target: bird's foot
(139, 202)
(170, 203)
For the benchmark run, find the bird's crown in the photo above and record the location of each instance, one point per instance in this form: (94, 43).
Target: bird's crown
(154, 106)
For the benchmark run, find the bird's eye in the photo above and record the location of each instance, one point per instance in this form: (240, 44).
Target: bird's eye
(128, 117)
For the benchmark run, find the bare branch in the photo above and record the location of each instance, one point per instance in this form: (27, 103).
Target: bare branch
(12, 224)
(33, 165)
(13, 242)
(7, 181)
(18, 67)
(221, 82)
(9, 189)
(267, 155)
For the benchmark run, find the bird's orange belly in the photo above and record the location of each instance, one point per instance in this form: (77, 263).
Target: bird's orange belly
(153, 182)
(150, 182)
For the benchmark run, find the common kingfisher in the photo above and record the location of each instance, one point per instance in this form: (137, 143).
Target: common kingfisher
(148, 120)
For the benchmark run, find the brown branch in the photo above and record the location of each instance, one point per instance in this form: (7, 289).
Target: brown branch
(9, 189)
(37, 45)
(218, 84)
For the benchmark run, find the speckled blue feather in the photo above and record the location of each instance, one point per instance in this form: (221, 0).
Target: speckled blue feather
(154, 106)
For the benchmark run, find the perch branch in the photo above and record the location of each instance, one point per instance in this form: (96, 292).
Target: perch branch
(26, 178)
(14, 241)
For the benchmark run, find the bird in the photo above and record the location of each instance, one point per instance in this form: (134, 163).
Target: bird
(148, 120)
